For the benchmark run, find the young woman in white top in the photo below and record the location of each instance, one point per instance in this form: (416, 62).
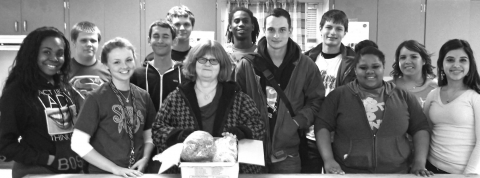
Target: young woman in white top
(454, 112)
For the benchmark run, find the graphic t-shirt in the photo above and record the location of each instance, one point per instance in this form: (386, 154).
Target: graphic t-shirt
(105, 120)
(329, 70)
(85, 79)
(374, 104)
(328, 67)
(272, 106)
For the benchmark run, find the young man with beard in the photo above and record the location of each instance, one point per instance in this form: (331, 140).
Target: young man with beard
(183, 20)
(160, 76)
(86, 72)
(335, 62)
(297, 76)
(243, 30)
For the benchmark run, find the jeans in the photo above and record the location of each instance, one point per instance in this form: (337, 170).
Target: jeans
(314, 162)
(19, 170)
(434, 169)
(291, 164)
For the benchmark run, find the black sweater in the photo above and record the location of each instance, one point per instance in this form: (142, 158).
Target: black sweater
(45, 127)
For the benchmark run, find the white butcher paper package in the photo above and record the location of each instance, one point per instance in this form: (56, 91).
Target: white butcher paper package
(201, 150)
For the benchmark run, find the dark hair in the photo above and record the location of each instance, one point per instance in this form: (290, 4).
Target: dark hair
(25, 68)
(180, 11)
(279, 12)
(117, 42)
(163, 24)
(412, 45)
(336, 16)
(369, 50)
(202, 48)
(472, 80)
(362, 44)
(254, 21)
(85, 26)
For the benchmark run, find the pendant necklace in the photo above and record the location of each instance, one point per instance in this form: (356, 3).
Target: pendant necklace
(206, 96)
(126, 98)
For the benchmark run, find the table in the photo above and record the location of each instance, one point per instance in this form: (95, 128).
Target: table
(260, 176)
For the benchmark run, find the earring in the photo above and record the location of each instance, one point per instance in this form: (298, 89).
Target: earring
(442, 75)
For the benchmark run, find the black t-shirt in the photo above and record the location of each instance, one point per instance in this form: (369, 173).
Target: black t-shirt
(179, 55)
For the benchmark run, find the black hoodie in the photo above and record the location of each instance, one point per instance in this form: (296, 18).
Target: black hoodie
(45, 129)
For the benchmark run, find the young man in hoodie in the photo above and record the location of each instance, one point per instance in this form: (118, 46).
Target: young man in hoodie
(183, 20)
(297, 76)
(161, 75)
(335, 62)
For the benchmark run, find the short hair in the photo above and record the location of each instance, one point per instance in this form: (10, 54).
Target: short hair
(415, 46)
(472, 80)
(369, 50)
(254, 21)
(279, 12)
(362, 44)
(112, 44)
(208, 47)
(85, 26)
(163, 24)
(25, 68)
(180, 11)
(336, 16)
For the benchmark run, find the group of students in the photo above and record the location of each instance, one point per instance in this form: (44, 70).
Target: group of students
(326, 110)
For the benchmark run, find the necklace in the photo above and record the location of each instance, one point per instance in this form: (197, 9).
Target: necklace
(206, 96)
(126, 98)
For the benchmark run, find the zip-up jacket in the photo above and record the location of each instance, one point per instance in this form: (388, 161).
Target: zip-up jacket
(304, 90)
(346, 71)
(158, 86)
(356, 148)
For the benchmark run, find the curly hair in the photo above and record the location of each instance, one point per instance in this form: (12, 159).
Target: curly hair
(256, 28)
(412, 45)
(25, 69)
(472, 80)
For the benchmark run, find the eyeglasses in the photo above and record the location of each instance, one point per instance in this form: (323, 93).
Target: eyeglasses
(202, 60)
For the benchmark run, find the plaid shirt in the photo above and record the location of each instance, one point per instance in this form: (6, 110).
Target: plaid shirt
(177, 113)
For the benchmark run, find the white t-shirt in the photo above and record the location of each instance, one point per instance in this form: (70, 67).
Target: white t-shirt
(328, 69)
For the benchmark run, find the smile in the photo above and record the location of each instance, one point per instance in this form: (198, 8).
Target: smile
(63, 122)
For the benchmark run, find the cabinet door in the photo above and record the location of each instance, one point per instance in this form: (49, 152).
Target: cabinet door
(446, 19)
(87, 10)
(154, 10)
(398, 20)
(39, 13)
(10, 16)
(122, 19)
(362, 11)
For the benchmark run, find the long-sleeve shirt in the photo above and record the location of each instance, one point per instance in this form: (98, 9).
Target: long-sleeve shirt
(456, 130)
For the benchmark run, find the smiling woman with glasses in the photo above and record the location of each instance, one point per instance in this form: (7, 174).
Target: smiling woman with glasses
(208, 102)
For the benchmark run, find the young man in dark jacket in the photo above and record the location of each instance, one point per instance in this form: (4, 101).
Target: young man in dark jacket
(298, 78)
(335, 62)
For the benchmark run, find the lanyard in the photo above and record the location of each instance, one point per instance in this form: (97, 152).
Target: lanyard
(129, 122)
